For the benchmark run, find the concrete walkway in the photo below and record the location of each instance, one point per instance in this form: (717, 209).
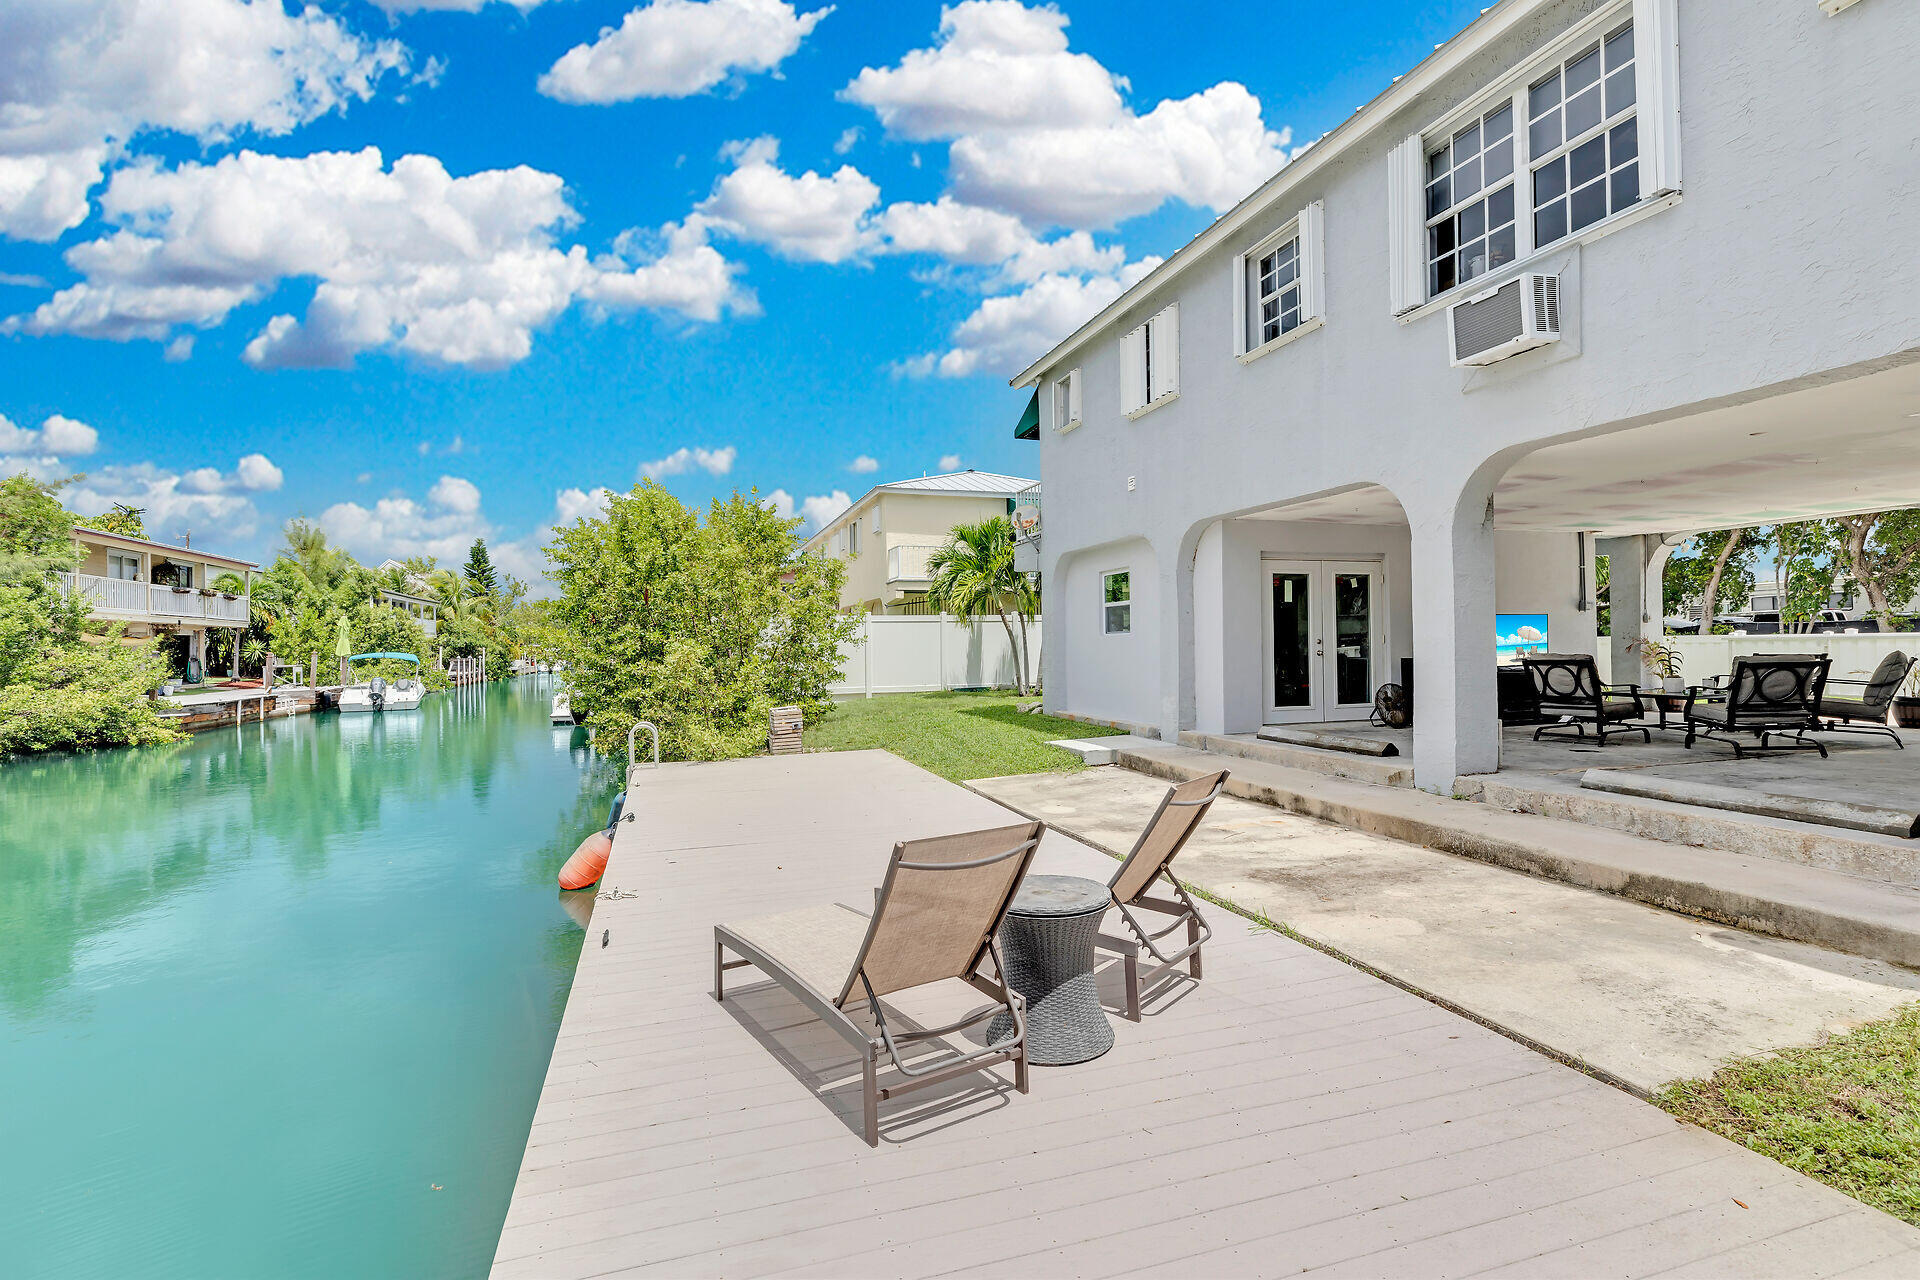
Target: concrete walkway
(1641, 994)
(1289, 1114)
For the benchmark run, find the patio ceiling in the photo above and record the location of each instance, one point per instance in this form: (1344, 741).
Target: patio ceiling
(1832, 450)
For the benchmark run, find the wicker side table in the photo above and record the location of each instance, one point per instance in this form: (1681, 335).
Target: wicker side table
(1047, 942)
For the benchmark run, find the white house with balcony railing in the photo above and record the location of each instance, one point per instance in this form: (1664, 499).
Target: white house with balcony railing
(159, 587)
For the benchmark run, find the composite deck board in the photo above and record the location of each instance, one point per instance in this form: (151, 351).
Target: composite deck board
(1286, 1114)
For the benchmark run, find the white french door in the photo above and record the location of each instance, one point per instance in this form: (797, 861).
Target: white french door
(1325, 638)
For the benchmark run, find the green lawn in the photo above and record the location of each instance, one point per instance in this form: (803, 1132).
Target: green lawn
(1846, 1112)
(956, 735)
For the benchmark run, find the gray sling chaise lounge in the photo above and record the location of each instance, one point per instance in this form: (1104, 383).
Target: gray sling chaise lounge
(1862, 706)
(934, 918)
(1178, 816)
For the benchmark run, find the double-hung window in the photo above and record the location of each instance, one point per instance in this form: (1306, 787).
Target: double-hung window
(1588, 132)
(1116, 602)
(1280, 283)
(1150, 363)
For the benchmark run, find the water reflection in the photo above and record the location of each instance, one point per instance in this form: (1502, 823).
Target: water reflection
(267, 986)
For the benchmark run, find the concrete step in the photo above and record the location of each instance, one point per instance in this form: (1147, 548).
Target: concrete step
(1785, 899)
(1382, 771)
(1102, 750)
(1561, 796)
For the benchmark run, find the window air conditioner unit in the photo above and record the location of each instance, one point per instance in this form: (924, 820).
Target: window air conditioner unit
(1505, 320)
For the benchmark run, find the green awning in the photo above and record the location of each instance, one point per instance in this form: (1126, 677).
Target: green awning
(1029, 428)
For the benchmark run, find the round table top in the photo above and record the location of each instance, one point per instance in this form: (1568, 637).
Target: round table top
(1060, 896)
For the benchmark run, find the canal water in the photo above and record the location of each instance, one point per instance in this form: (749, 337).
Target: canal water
(278, 1001)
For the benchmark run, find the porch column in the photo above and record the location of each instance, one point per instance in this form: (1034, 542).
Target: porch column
(1455, 682)
(1210, 699)
(1626, 594)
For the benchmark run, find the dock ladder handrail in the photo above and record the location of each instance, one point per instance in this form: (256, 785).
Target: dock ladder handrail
(651, 729)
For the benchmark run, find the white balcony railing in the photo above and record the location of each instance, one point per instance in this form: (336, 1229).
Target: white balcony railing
(141, 599)
(907, 561)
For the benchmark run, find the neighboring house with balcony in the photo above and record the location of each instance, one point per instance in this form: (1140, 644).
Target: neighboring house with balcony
(157, 588)
(887, 537)
(1395, 403)
(424, 610)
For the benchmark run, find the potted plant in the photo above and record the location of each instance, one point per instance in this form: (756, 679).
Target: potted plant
(1906, 702)
(1663, 659)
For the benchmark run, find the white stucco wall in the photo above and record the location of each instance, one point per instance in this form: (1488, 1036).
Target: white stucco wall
(1785, 264)
(1112, 677)
(1540, 573)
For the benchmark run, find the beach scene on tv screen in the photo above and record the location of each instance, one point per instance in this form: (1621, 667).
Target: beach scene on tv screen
(1519, 633)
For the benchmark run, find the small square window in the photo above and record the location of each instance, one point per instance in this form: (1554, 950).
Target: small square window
(1116, 602)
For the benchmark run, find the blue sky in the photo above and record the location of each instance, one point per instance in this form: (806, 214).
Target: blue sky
(736, 242)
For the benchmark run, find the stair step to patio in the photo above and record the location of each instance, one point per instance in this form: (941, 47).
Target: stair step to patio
(1383, 771)
(1559, 796)
(1102, 750)
(1804, 903)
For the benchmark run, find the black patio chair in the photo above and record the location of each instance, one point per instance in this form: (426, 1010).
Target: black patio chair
(1866, 701)
(1571, 692)
(1766, 694)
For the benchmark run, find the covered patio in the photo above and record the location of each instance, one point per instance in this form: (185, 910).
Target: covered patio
(1288, 1113)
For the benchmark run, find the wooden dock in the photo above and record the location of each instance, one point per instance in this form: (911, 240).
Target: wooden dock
(1289, 1114)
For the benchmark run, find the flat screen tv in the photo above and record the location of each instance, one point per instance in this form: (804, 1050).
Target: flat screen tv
(1515, 634)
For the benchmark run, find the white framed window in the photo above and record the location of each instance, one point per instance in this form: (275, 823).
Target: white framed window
(1066, 401)
(1280, 283)
(124, 567)
(1116, 602)
(1150, 363)
(853, 538)
(1585, 132)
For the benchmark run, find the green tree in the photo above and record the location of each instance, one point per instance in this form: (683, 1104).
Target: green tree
(121, 519)
(63, 685)
(1712, 567)
(700, 627)
(973, 575)
(479, 570)
(1881, 553)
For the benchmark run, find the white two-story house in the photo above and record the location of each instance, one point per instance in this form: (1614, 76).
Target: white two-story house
(1595, 276)
(161, 588)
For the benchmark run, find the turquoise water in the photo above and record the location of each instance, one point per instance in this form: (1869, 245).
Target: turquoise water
(278, 1001)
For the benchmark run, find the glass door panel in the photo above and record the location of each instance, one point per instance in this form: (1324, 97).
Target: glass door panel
(1293, 641)
(1352, 637)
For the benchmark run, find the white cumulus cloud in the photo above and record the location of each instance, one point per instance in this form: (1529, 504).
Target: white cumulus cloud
(57, 437)
(1046, 134)
(447, 6)
(457, 271)
(863, 465)
(675, 48)
(715, 462)
(454, 493)
(1007, 332)
(820, 509)
(950, 462)
(257, 472)
(811, 217)
(79, 78)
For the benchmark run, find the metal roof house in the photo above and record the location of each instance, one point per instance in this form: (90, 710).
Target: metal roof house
(887, 536)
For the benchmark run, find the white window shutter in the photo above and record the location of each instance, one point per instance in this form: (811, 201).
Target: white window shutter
(1313, 262)
(1242, 286)
(1406, 203)
(1166, 352)
(1073, 396)
(1133, 371)
(1656, 44)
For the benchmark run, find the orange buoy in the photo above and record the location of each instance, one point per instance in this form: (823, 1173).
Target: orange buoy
(588, 862)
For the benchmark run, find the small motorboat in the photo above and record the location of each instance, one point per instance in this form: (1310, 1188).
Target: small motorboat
(380, 694)
(562, 711)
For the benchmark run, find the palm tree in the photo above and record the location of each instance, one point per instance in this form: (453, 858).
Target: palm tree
(973, 575)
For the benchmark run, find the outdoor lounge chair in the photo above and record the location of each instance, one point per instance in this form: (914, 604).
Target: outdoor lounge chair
(934, 918)
(1767, 694)
(1866, 701)
(1571, 692)
(1178, 816)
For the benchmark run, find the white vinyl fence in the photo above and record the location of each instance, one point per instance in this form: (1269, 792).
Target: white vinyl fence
(919, 654)
(1854, 657)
